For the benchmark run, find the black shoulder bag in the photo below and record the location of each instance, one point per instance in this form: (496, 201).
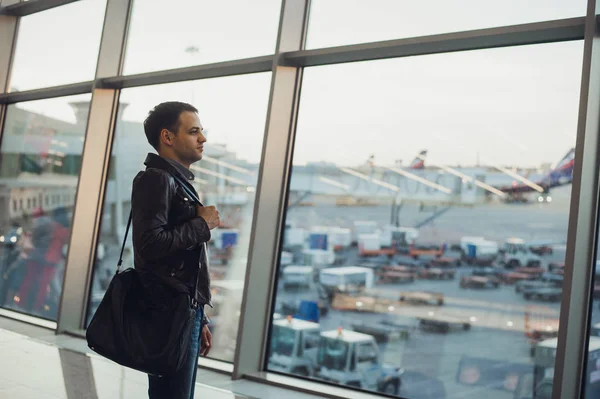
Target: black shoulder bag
(142, 322)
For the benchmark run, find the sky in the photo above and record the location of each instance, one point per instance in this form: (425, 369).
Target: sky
(513, 106)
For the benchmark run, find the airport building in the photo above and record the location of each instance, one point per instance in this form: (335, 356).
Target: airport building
(408, 191)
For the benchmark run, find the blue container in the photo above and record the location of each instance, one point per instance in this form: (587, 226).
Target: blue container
(317, 241)
(229, 239)
(309, 311)
(471, 250)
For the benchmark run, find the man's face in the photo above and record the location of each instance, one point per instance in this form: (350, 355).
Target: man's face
(188, 143)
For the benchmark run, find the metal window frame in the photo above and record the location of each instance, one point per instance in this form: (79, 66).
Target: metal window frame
(575, 312)
(94, 172)
(22, 9)
(272, 185)
(287, 65)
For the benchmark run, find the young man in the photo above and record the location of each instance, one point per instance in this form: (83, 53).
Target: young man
(169, 229)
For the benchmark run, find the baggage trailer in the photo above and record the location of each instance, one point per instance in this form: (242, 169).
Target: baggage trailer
(382, 333)
(422, 298)
(396, 274)
(442, 324)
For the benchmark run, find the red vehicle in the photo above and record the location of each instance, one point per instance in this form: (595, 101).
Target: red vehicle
(416, 252)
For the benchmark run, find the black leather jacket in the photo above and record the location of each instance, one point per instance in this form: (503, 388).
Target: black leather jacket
(168, 237)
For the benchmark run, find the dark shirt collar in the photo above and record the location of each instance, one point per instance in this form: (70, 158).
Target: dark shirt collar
(156, 161)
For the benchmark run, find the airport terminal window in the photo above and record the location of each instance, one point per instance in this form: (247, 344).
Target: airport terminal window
(592, 369)
(343, 22)
(426, 222)
(34, 237)
(205, 32)
(58, 46)
(233, 112)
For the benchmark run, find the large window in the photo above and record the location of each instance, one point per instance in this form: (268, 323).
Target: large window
(232, 111)
(427, 220)
(40, 159)
(342, 22)
(199, 32)
(58, 46)
(592, 366)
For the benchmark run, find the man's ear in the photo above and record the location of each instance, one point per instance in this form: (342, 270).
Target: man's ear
(166, 137)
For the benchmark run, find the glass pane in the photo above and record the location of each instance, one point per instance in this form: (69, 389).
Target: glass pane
(232, 111)
(199, 32)
(39, 171)
(431, 241)
(58, 46)
(342, 22)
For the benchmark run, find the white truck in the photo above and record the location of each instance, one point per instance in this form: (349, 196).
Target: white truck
(517, 253)
(346, 279)
(297, 276)
(350, 358)
(294, 346)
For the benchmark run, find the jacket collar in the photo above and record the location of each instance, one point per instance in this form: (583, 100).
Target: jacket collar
(158, 162)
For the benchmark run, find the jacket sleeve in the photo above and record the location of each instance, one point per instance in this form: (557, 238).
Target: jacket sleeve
(151, 204)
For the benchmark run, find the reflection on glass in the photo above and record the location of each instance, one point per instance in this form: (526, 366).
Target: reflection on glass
(232, 111)
(39, 171)
(58, 46)
(427, 220)
(343, 22)
(592, 375)
(205, 32)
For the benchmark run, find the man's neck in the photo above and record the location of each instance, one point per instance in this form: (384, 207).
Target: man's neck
(175, 159)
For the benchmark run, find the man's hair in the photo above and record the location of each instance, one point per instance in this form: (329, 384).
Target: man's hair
(164, 116)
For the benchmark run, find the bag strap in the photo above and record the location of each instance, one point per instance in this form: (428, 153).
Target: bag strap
(124, 241)
(189, 192)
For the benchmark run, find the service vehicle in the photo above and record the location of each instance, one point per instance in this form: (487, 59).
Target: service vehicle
(351, 358)
(294, 346)
(518, 254)
(544, 359)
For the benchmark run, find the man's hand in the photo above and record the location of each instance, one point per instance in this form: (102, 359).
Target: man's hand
(210, 214)
(206, 341)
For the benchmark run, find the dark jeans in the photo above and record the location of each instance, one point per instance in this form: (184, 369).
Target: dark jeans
(181, 384)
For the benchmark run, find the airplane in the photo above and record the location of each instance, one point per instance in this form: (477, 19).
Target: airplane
(561, 175)
(419, 161)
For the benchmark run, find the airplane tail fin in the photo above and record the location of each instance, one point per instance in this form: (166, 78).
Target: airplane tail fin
(566, 162)
(419, 161)
(563, 171)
